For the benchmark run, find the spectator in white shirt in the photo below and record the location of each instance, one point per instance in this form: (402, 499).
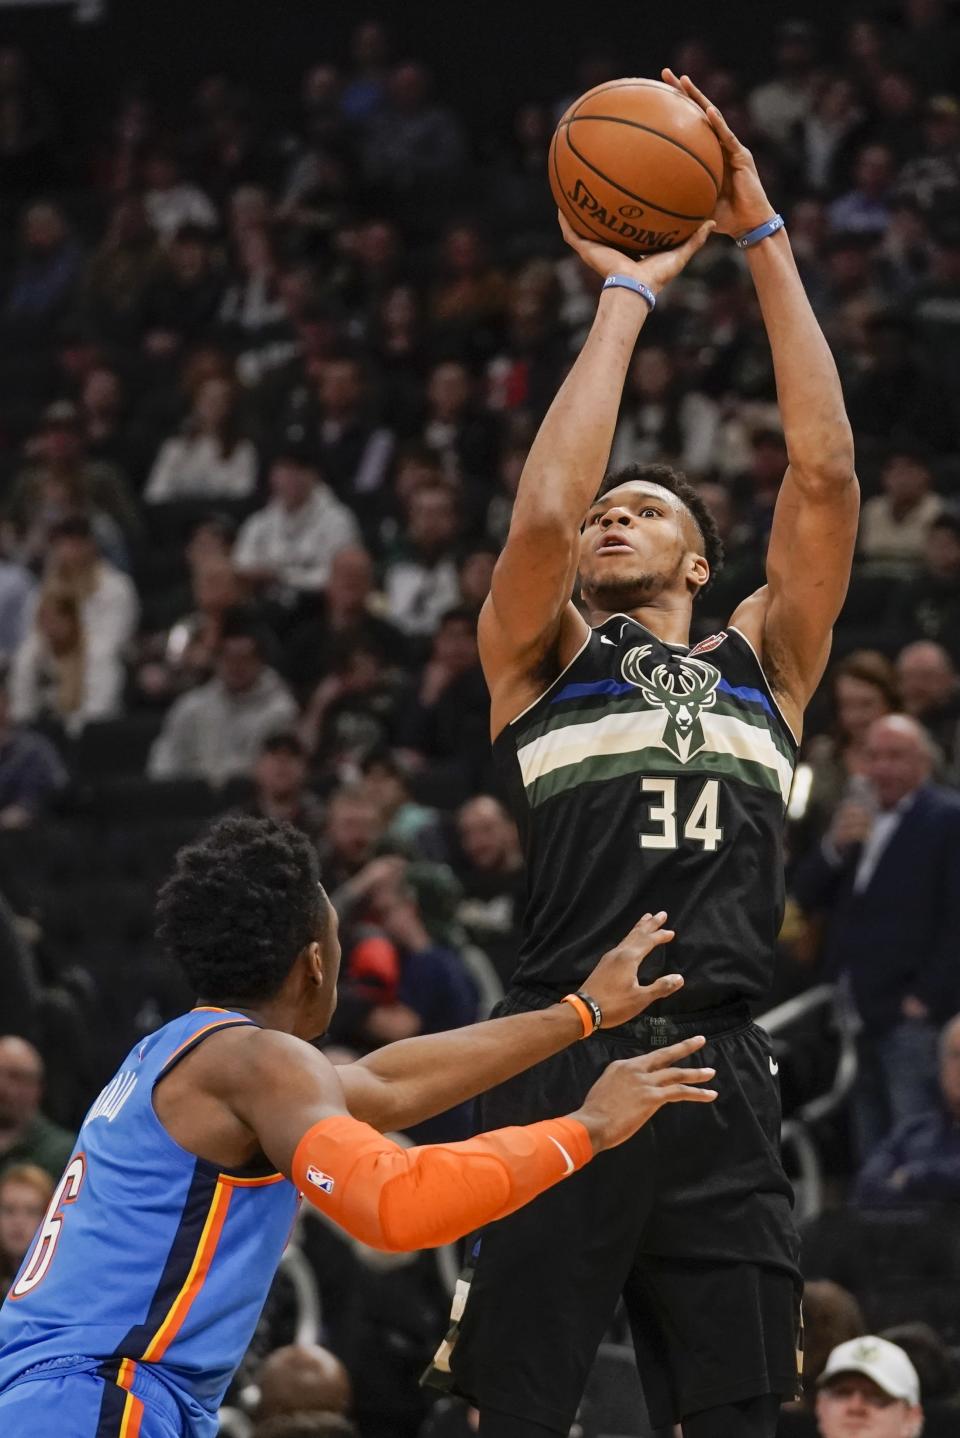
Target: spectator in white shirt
(109, 607)
(58, 674)
(171, 201)
(779, 104)
(894, 524)
(211, 460)
(290, 544)
(421, 583)
(217, 731)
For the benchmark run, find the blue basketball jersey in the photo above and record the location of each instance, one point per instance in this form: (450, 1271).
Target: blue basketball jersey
(147, 1254)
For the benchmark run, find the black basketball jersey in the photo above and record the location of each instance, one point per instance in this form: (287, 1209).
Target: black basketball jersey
(653, 776)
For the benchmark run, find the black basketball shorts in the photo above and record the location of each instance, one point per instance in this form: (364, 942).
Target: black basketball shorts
(690, 1221)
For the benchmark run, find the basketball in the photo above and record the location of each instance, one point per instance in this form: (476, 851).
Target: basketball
(634, 163)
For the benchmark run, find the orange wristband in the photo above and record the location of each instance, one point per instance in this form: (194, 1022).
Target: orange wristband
(582, 1012)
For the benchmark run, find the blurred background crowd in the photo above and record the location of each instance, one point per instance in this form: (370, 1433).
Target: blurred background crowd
(271, 359)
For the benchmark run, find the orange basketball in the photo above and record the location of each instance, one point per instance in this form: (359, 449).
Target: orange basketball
(635, 163)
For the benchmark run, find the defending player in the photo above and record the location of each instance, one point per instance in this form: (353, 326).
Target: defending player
(142, 1288)
(639, 766)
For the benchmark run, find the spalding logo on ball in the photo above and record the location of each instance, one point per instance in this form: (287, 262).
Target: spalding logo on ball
(635, 163)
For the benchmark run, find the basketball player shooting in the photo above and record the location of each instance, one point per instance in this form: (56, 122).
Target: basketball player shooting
(140, 1293)
(640, 766)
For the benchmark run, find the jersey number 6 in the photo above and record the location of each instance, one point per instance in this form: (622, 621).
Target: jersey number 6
(48, 1235)
(702, 825)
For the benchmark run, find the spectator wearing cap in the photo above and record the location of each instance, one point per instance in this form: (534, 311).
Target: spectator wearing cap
(894, 524)
(212, 460)
(930, 687)
(919, 1161)
(31, 770)
(420, 580)
(345, 613)
(887, 880)
(287, 548)
(869, 1387)
(280, 778)
(929, 604)
(216, 732)
(26, 1134)
(779, 104)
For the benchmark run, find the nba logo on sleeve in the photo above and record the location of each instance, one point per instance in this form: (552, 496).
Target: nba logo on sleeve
(319, 1179)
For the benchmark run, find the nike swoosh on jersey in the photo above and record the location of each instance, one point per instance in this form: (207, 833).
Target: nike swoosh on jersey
(605, 640)
(774, 1067)
(566, 1157)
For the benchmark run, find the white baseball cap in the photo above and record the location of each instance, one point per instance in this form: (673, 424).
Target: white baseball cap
(875, 1358)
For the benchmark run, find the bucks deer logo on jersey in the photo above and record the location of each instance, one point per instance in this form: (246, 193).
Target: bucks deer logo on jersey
(684, 690)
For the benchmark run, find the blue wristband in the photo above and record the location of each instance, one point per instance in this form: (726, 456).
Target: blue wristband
(627, 282)
(753, 237)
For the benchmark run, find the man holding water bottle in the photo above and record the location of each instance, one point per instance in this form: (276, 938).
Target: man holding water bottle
(887, 880)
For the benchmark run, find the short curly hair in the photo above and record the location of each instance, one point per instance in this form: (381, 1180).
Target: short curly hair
(692, 500)
(240, 905)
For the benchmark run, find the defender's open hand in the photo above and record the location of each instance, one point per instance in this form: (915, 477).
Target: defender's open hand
(614, 983)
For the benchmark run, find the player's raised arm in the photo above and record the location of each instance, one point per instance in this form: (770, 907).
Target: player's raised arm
(815, 522)
(400, 1199)
(534, 576)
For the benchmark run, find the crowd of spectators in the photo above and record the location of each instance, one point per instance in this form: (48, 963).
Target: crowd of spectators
(268, 376)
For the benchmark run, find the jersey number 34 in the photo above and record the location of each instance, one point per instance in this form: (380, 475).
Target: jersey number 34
(701, 825)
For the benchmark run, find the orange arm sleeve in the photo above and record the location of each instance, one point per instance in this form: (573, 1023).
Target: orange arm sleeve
(402, 1199)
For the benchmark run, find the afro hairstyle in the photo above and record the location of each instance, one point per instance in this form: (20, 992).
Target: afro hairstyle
(242, 902)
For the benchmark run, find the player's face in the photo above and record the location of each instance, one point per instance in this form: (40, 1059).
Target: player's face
(853, 1406)
(635, 543)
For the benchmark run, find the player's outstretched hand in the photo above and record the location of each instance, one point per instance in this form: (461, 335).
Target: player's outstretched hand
(630, 1091)
(613, 982)
(742, 203)
(654, 271)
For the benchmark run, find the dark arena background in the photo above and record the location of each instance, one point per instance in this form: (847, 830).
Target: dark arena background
(283, 302)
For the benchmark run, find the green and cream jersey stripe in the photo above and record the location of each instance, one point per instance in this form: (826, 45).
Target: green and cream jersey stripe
(581, 746)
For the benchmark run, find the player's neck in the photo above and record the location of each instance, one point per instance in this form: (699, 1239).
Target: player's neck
(279, 1013)
(669, 624)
